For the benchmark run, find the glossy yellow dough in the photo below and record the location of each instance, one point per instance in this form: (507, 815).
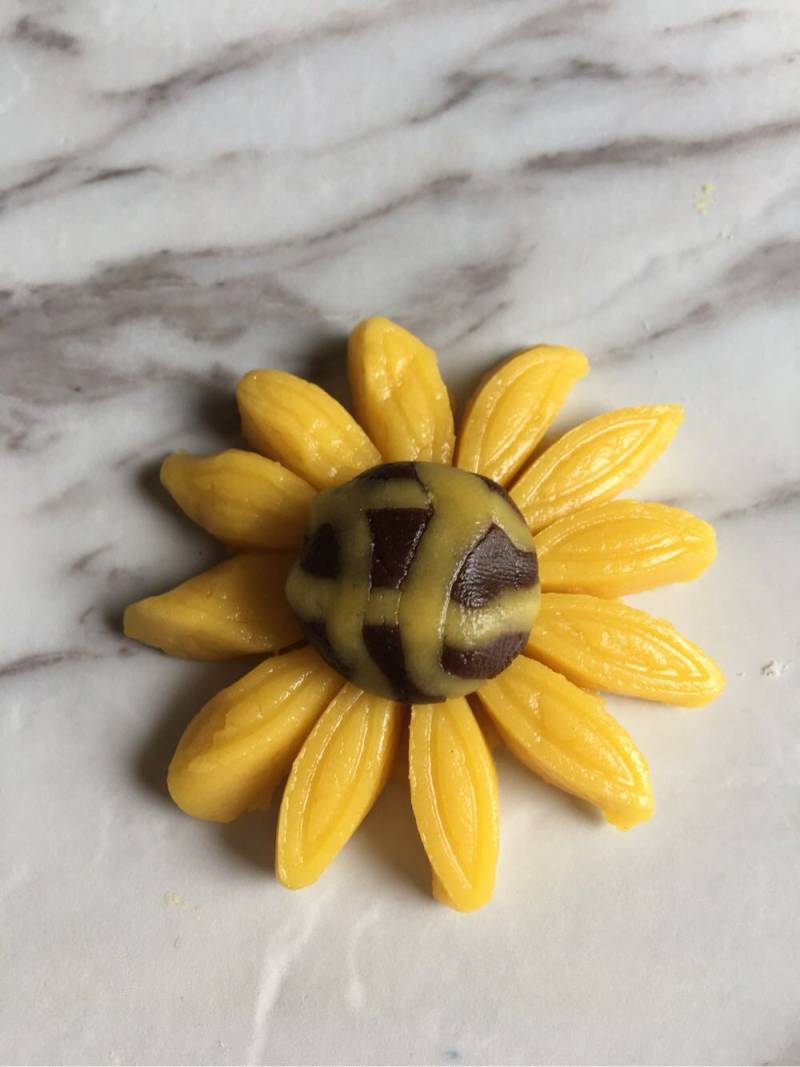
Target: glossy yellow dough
(623, 547)
(514, 406)
(594, 462)
(241, 498)
(454, 797)
(298, 424)
(234, 609)
(335, 780)
(567, 737)
(399, 396)
(243, 742)
(605, 644)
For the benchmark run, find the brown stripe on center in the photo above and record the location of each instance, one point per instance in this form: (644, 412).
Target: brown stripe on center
(321, 554)
(386, 472)
(395, 534)
(494, 564)
(317, 634)
(484, 662)
(385, 644)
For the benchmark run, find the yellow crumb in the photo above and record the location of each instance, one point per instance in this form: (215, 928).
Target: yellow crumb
(703, 199)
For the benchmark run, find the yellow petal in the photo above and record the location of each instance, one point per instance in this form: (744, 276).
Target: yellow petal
(237, 749)
(399, 395)
(488, 729)
(302, 427)
(605, 644)
(623, 547)
(513, 407)
(454, 796)
(334, 782)
(594, 462)
(240, 497)
(234, 609)
(568, 738)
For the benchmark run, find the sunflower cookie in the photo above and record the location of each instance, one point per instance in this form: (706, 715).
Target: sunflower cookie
(410, 587)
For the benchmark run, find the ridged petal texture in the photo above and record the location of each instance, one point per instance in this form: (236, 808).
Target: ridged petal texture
(594, 462)
(623, 547)
(234, 609)
(567, 737)
(605, 644)
(513, 407)
(295, 719)
(240, 498)
(241, 745)
(399, 395)
(454, 797)
(335, 780)
(305, 429)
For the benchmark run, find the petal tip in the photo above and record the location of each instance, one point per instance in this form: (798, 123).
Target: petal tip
(371, 323)
(714, 687)
(167, 465)
(188, 789)
(291, 877)
(133, 618)
(463, 904)
(564, 353)
(675, 412)
(632, 816)
(706, 545)
(170, 469)
(245, 383)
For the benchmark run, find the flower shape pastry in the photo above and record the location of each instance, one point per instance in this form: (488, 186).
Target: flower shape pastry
(413, 592)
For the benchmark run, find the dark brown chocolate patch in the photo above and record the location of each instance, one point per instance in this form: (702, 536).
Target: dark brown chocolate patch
(384, 643)
(318, 636)
(395, 534)
(494, 564)
(386, 472)
(321, 554)
(484, 662)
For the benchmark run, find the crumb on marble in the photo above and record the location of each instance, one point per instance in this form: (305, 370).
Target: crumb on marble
(703, 198)
(773, 669)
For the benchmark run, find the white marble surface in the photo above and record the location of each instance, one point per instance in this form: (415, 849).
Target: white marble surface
(191, 189)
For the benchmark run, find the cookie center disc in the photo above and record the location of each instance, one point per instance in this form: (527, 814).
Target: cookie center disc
(417, 581)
